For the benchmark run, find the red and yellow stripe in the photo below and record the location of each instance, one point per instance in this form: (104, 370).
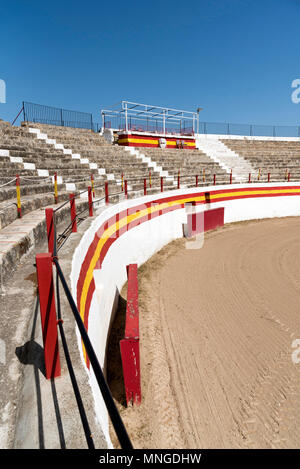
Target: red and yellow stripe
(124, 221)
(150, 141)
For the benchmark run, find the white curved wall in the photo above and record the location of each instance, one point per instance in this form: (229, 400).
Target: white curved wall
(139, 243)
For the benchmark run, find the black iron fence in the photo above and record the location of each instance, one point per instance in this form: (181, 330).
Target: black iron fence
(249, 129)
(84, 120)
(57, 116)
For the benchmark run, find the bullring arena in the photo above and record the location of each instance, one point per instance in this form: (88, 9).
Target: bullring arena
(149, 282)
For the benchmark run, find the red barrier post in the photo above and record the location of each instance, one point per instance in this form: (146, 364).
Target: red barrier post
(90, 201)
(73, 213)
(126, 189)
(214, 179)
(145, 186)
(18, 196)
(122, 182)
(269, 176)
(231, 177)
(50, 228)
(178, 180)
(106, 193)
(249, 180)
(161, 184)
(129, 346)
(289, 177)
(93, 185)
(48, 314)
(196, 180)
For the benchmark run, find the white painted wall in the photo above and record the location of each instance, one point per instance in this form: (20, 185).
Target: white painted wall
(140, 243)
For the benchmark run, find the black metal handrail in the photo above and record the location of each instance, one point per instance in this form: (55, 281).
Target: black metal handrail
(113, 412)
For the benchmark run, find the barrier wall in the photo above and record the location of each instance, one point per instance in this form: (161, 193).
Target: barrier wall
(133, 230)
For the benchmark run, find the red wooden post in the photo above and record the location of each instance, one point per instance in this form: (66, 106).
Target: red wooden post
(48, 314)
(129, 346)
(122, 182)
(269, 176)
(18, 196)
(106, 193)
(197, 180)
(126, 190)
(161, 184)
(178, 180)
(214, 179)
(145, 186)
(249, 180)
(50, 228)
(90, 201)
(93, 185)
(231, 177)
(73, 213)
(289, 177)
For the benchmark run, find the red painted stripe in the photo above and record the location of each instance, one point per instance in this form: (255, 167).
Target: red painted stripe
(132, 210)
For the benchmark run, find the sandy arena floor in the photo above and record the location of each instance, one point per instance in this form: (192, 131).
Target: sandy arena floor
(217, 326)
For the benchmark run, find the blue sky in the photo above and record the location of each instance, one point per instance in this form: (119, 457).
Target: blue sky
(235, 58)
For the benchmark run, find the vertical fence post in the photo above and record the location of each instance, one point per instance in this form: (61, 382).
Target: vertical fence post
(269, 176)
(197, 180)
(18, 196)
(289, 177)
(106, 193)
(231, 177)
(122, 182)
(214, 179)
(55, 188)
(93, 185)
(249, 180)
(48, 314)
(90, 197)
(50, 228)
(145, 186)
(150, 183)
(161, 184)
(73, 213)
(178, 180)
(129, 345)
(126, 190)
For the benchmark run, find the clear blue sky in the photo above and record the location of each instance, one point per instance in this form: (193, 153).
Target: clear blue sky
(235, 58)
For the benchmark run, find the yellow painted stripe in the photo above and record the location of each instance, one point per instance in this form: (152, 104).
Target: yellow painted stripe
(152, 141)
(149, 210)
(18, 197)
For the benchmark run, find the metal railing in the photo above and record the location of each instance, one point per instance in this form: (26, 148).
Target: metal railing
(39, 113)
(249, 130)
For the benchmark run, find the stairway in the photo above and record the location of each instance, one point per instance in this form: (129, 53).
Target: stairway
(226, 158)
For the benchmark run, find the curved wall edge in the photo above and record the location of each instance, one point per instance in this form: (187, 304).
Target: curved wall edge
(133, 230)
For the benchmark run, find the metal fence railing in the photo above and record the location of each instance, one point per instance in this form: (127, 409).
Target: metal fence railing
(39, 113)
(249, 129)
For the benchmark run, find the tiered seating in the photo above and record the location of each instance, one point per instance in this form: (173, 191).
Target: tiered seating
(114, 159)
(188, 162)
(271, 156)
(30, 158)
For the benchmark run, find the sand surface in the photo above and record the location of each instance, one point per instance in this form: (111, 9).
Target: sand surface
(217, 327)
